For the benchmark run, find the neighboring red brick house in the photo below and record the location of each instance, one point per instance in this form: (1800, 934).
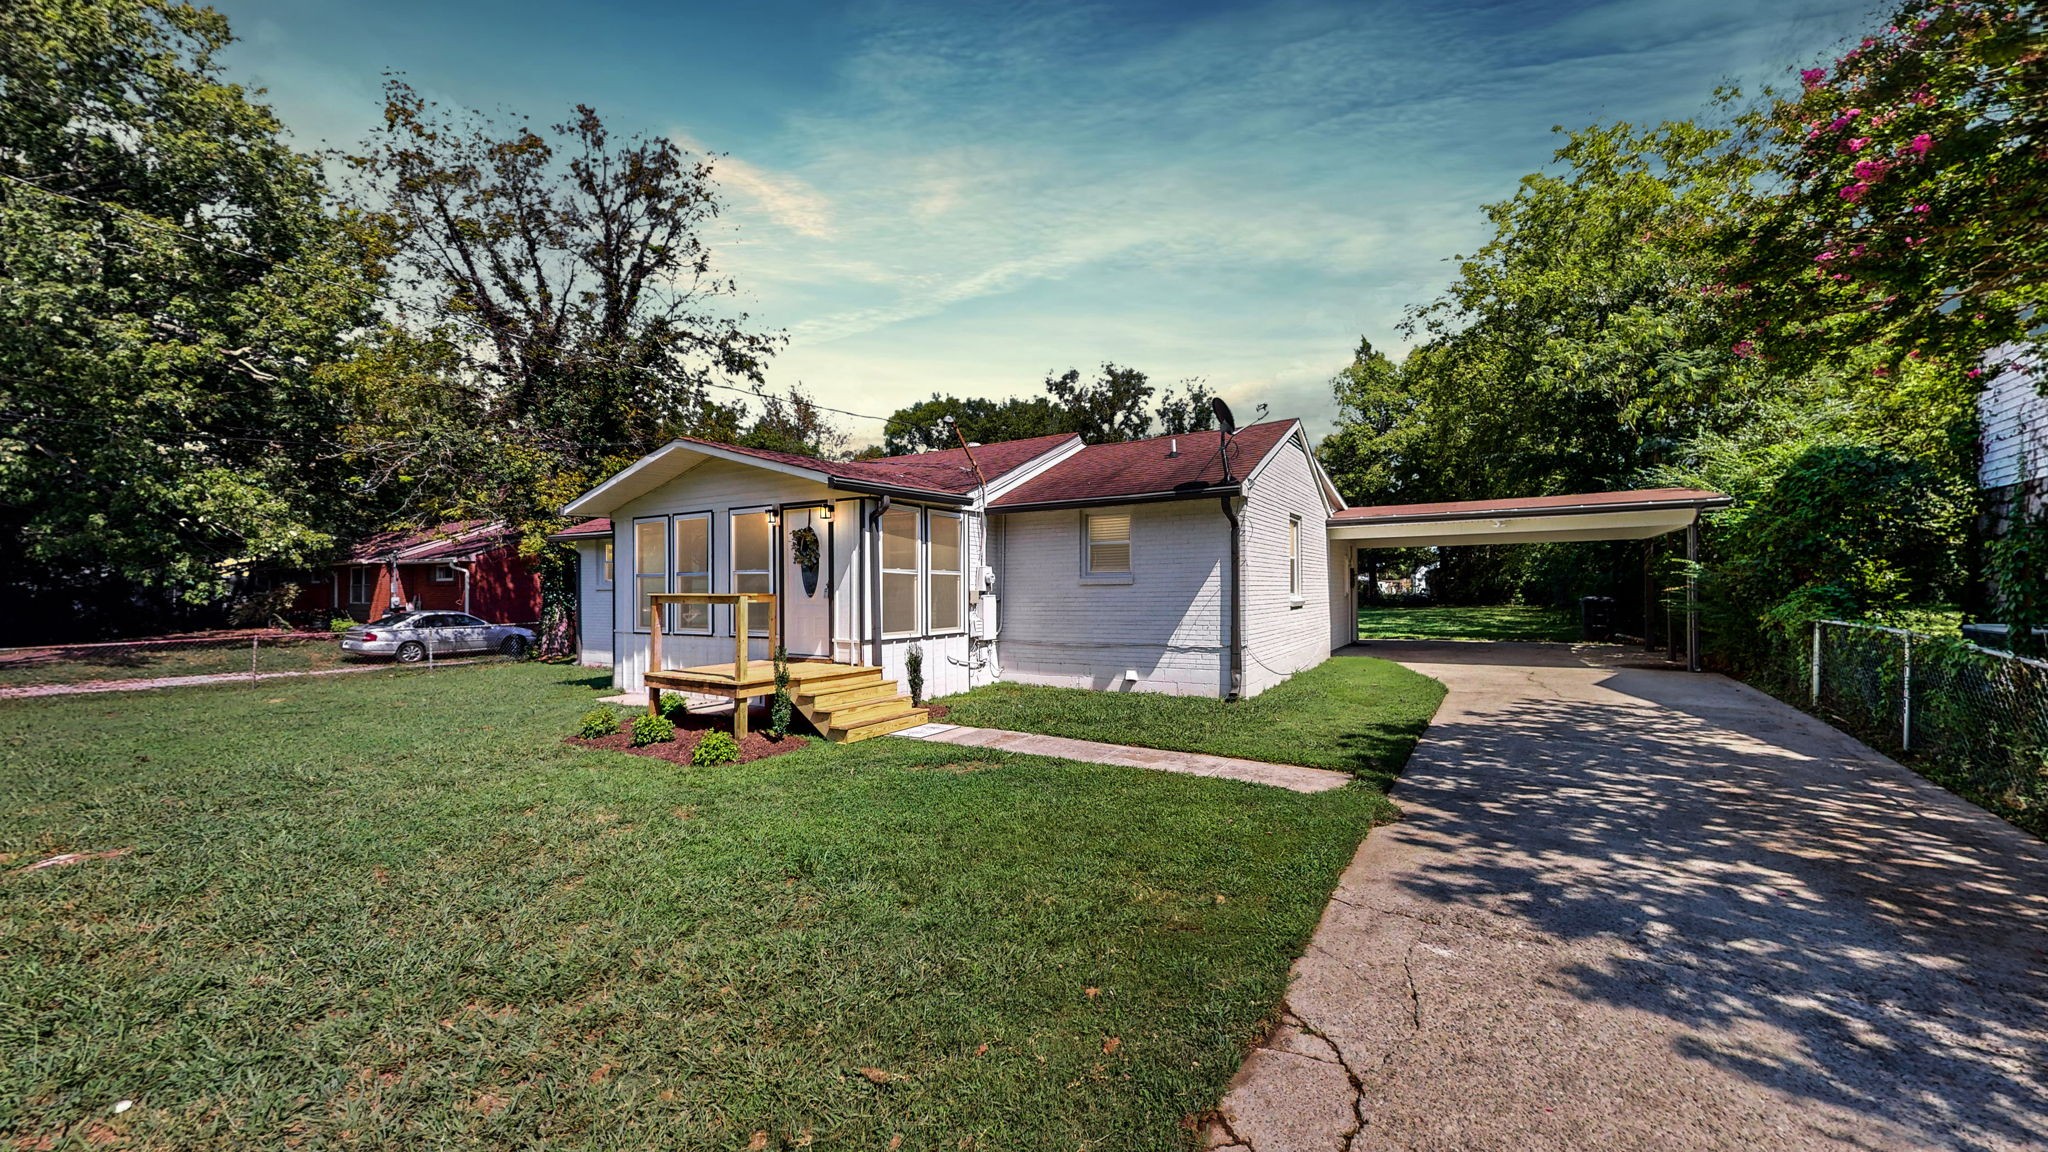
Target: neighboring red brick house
(468, 566)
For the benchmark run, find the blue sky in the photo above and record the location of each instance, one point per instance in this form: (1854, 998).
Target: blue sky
(960, 197)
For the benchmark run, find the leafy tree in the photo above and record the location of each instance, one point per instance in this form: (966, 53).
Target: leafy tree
(171, 285)
(579, 268)
(921, 427)
(1105, 410)
(1912, 209)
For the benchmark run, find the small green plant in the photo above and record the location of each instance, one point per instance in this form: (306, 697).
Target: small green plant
(913, 666)
(652, 730)
(340, 624)
(715, 748)
(597, 723)
(674, 705)
(780, 708)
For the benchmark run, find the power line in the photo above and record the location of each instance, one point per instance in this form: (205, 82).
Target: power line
(480, 329)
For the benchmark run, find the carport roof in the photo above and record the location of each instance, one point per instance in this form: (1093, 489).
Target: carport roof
(1625, 515)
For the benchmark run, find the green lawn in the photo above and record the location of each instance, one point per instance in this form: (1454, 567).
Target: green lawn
(396, 911)
(1350, 713)
(74, 665)
(1492, 622)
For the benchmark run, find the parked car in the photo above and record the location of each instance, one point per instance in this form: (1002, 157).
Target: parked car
(410, 637)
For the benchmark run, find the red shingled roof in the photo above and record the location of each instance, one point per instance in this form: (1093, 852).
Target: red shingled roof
(1536, 505)
(584, 530)
(451, 541)
(1146, 469)
(938, 472)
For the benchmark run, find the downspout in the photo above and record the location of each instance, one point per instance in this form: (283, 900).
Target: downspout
(1234, 638)
(874, 543)
(464, 569)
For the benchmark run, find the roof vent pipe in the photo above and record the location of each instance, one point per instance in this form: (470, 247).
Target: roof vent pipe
(1173, 446)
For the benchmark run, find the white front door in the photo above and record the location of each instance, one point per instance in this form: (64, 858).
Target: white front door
(806, 588)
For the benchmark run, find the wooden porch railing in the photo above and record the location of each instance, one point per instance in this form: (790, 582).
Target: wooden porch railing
(739, 602)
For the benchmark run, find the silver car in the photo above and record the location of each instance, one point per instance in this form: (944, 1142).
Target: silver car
(411, 637)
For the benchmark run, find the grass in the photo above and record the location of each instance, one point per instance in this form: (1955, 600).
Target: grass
(1350, 713)
(76, 665)
(398, 911)
(1491, 622)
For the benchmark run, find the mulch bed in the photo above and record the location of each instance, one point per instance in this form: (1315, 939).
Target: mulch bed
(691, 728)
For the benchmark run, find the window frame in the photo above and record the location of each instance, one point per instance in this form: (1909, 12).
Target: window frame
(932, 572)
(607, 563)
(369, 574)
(443, 574)
(1088, 573)
(1294, 561)
(639, 624)
(733, 571)
(916, 571)
(709, 572)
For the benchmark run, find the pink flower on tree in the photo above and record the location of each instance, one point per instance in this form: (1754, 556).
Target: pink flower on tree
(1743, 349)
(1855, 143)
(1920, 209)
(1920, 144)
(1870, 170)
(1824, 257)
(1853, 192)
(1812, 77)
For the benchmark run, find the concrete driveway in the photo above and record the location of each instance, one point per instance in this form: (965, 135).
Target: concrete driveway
(1643, 909)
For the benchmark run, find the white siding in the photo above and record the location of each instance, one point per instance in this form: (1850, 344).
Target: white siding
(2014, 418)
(594, 608)
(1167, 623)
(1343, 592)
(1284, 632)
(716, 486)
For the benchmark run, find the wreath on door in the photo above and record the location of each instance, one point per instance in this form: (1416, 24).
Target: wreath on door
(803, 548)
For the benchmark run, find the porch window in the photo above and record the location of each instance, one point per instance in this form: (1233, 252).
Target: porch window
(650, 568)
(899, 572)
(604, 564)
(947, 552)
(1108, 551)
(443, 574)
(753, 565)
(362, 583)
(1294, 557)
(693, 571)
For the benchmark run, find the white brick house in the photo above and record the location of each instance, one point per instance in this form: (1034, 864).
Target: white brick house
(1194, 564)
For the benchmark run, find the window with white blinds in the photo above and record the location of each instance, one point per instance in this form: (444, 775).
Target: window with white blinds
(899, 572)
(948, 602)
(693, 571)
(753, 564)
(650, 568)
(1108, 551)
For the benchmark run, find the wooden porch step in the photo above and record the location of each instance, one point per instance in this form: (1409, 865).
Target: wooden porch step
(854, 715)
(838, 696)
(868, 730)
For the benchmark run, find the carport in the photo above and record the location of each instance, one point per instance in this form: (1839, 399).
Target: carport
(1628, 515)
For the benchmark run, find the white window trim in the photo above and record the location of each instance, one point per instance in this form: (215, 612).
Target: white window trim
(1294, 599)
(960, 576)
(667, 562)
(369, 574)
(732, 560)
(607, 560)
(444, 574)
(709, 571)
(1088, 574)
(920, 584)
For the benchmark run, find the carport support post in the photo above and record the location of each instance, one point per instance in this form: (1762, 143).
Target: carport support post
(1692, 595)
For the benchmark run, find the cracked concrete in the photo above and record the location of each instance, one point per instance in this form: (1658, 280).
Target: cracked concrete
(1637, 909)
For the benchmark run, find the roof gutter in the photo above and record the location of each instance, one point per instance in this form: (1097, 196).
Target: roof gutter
(1526, 513)
(1224, 490)
(871, 488)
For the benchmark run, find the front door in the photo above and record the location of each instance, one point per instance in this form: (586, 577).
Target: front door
(806, 583)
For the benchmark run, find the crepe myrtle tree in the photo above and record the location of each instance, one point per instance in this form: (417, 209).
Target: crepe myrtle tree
(1911, 210)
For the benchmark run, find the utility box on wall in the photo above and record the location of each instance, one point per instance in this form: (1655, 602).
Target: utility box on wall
(985, 619)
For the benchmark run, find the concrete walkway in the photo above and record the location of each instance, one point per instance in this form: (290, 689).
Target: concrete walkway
(1288, 776)
(148, 683)
(1633, 909)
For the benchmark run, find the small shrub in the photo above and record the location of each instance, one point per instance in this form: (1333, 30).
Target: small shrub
(652, 730)
(780, 708)
(913, 666)
(596, 723)
(340, 624)
(715, 748)
(674, 706)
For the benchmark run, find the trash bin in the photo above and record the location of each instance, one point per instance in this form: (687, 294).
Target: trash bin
(1596, 618)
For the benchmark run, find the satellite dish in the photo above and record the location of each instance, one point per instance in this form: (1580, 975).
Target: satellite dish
(1224, 419)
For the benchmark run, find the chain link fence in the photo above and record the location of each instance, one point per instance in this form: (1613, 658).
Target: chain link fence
(244, 654)
(1972, 719)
